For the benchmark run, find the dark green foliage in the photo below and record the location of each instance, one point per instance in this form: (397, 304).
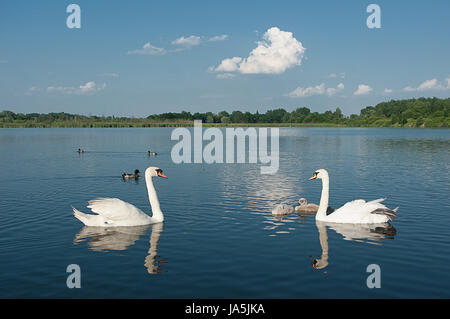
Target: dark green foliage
(422, 112)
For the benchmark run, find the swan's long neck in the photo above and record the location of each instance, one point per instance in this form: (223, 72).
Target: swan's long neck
(150, 264)
(153, 198)
(323, 238)
(323, 206)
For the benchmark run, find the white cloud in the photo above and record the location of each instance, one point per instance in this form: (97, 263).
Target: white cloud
(225, 75)
(61, 89)
(228, 65)
(88, 87)
(109, 75)
(387, 91)
(316, 90)
(334, 75)
(432, 84)
(278, 52)
(218, 38)
(190, 41)
(333, 91)
(310, 90)
(363, 89)
(183, 43)
(32, 90)
(149, 49)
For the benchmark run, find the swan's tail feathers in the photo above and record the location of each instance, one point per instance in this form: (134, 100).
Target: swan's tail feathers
(390, 213)
(82, 217)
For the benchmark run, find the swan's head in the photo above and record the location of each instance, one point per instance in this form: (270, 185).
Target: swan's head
(302, 201)
(154, 172)
(320, 173)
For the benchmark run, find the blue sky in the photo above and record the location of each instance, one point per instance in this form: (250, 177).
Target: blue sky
(104, 69)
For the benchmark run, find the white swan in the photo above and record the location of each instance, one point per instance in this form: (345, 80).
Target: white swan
(115, 212)
(355, 212)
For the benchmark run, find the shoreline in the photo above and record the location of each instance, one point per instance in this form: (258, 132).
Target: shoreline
(417, 113)
(161, 125)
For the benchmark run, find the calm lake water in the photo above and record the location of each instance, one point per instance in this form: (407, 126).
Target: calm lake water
(219, 239)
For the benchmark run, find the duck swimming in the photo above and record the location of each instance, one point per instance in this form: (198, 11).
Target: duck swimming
(80, 151)
(152, 153)
(135, 175)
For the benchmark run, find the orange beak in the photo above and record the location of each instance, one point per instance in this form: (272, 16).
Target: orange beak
(312, 177)
(161, 175)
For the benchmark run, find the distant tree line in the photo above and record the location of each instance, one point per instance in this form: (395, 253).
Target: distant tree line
(422, 112)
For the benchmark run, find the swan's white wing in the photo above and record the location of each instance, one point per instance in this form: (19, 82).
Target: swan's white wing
(352, 206)
(114, 209)
(360, 211)
(360, 205)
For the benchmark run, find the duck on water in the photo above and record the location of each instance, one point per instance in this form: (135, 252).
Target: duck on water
(135, 175)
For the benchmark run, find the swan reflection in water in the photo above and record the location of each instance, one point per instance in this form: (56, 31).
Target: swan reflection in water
(368, 233)
(121, 238)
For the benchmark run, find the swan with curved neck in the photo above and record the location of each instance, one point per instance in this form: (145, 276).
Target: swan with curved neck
(110, 212)
(357, 212)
